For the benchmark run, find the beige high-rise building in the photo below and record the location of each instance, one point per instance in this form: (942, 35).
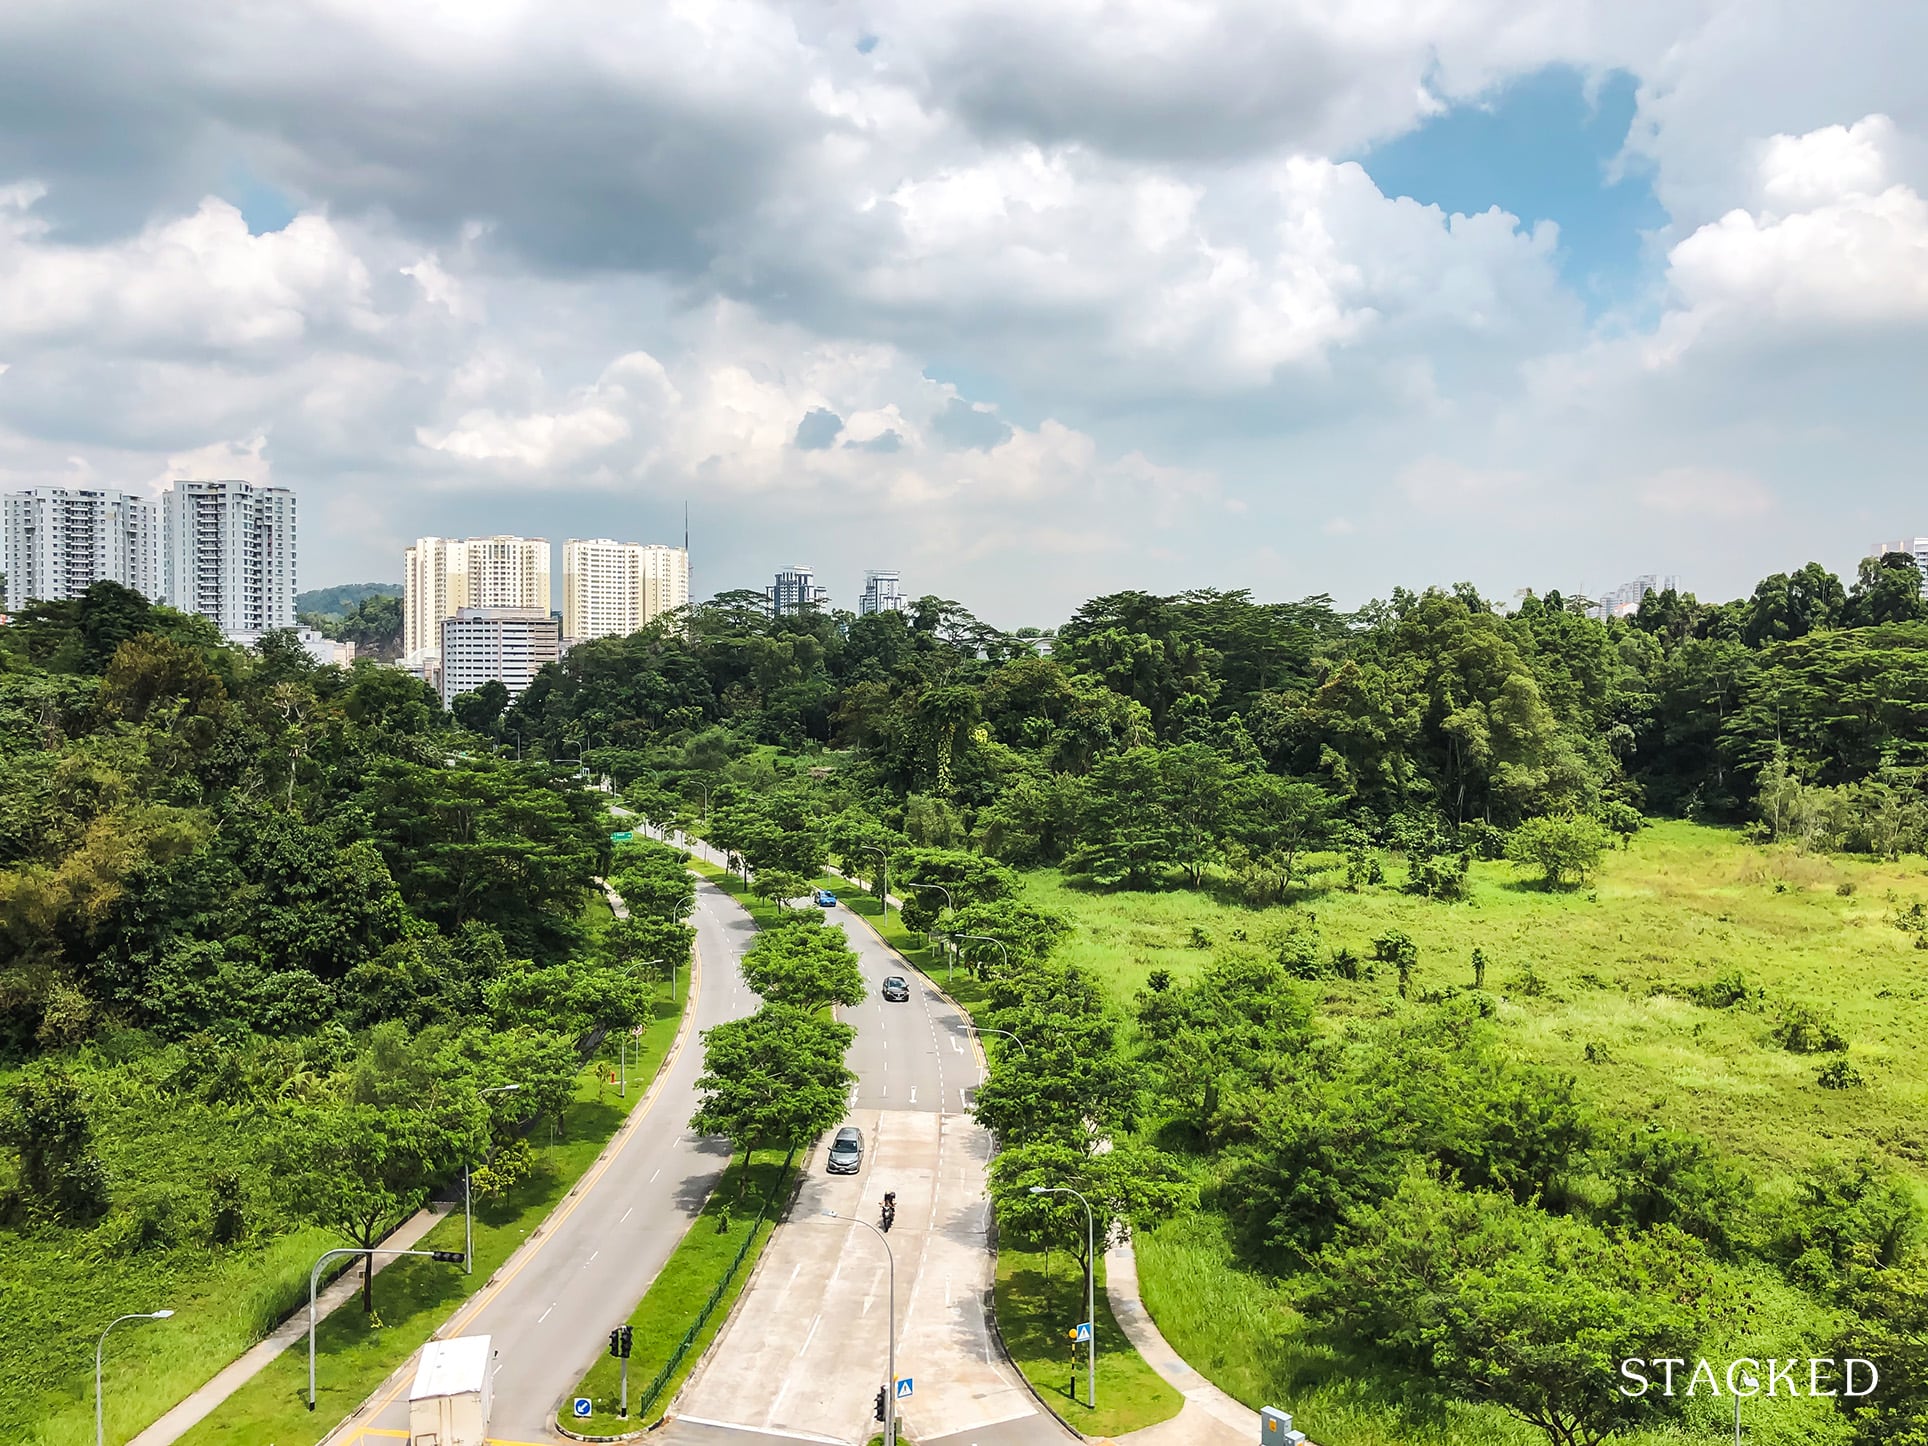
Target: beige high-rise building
(610, 589)
(442, 575)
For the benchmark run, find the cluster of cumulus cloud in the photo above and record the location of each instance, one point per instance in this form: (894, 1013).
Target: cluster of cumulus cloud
(951, 254)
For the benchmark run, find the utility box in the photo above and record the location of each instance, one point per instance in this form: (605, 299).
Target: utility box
(454, 1387)
(1275, 1428)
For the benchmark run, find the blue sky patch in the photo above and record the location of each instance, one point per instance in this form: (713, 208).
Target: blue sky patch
(264, 207)
(1539, 148)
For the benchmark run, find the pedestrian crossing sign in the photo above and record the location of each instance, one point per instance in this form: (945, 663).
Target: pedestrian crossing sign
(903, 1389)
(1081, 1331)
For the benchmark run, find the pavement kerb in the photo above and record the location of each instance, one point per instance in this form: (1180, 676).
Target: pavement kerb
(392, 1384)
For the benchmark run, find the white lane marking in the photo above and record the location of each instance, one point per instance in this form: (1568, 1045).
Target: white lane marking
(793, 1272)
(955, 1045)
(627, 1213)
(913, 1094)
(652, 1178)
(592, 1259)
(763, 1431)
(545, 1315)
(811, 1334)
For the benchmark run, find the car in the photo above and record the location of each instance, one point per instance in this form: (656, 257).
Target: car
(847, 1151)
(826, 899)
(896, 989)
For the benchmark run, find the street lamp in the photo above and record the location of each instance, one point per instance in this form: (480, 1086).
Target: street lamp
(1753, 1383)
(518, 743)
(1091, 1275)
(100, 1426)
(314, 1278)
(1005, 1032)
(673, 916)
(947, 904)
(890, 1344)
(883, 889)
(987, 939)
(468, 1216)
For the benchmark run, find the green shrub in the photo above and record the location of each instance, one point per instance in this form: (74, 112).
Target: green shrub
(1803, 1029)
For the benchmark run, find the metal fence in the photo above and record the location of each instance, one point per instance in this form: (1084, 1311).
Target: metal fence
(646, 1402)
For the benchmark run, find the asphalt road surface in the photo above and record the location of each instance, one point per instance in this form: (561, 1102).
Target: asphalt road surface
(805, 1350)
(552, 1309)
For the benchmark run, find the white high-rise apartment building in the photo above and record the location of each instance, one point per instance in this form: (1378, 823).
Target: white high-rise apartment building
(228, 553)
(443, 575)
(610, 589)
(60, 541)
(883, 593)
(509, 645)
(1915, 547)
(794, 590)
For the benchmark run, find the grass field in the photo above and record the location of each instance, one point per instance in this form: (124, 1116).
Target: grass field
(1596, 982)
(412, 1297)
(668, 1309)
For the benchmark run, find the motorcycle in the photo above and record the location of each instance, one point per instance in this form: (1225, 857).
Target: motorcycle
(890, 1209)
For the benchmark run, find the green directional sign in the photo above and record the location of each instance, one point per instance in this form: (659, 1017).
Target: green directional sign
(623, 837)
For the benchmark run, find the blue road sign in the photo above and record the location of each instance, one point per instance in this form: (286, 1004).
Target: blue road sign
(1082, 1331)
(581, 1407)
(903, 1389)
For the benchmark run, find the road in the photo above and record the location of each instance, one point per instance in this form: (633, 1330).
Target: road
(553, 1307)
(804, 1352)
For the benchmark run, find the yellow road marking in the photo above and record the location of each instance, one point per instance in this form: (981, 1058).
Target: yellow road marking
(580, 1192)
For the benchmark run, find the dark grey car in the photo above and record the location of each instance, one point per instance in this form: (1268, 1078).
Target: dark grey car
(896, 990)
(847, 1151)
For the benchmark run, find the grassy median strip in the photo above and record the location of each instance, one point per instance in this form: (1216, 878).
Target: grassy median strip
(667, 1336)
(353, 1352)
(1040, 1297)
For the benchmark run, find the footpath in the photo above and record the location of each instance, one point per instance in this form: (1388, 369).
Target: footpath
(237, 1373)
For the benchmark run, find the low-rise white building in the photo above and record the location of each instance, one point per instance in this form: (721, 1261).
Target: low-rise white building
(508, 645)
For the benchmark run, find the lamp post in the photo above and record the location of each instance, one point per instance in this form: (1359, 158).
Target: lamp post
(987, 939)
(100, 1420)
(518, 743)
(883, 888)
(1753, 1383)
(939, 888)
(673, 916)
(1091, 1275)
(468, 1216)
(890, 1344)
(1005, 1032)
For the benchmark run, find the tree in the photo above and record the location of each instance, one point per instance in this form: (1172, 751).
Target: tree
(43, 1118)
(1127, 835)
(1278, 818)
(804, 964)
(360, 1169)
(774, 1078)
(1561, 848)
(1888, 590)
(480, 711)
(1501, 1302)
(1127, 1185)
(778, 885)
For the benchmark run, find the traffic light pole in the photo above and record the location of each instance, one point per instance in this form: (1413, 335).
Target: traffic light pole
(624, 1409)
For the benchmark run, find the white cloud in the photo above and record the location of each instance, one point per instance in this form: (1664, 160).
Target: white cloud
(244, 461)
(1799, 172)
(196, 280)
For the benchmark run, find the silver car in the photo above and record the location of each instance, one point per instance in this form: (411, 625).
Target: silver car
(847, 1151)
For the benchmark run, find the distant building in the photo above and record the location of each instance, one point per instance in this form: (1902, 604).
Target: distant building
(443, 575)
(228, 553)
(60, 541)
(610, 589)
(883, 593)
(1915, 547)
(319, 646)
(1625, 600)
(509, 645)
(795, 589)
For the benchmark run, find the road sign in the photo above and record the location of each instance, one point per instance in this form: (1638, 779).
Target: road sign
(903, 1389)
(1081, 1331)
(623, 837)
(581, 1407)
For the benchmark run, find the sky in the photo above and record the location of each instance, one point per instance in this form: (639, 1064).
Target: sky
(1029, 301)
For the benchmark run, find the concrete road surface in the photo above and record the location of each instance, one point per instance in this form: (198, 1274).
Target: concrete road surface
(804, 1352)
(553, 1308)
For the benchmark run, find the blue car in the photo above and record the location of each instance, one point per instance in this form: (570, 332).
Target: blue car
(826, 899)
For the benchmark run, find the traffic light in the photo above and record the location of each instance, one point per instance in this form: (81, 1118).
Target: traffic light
(448, 1257)
(880, 1403)
(616, 1342)
(629, 1334)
